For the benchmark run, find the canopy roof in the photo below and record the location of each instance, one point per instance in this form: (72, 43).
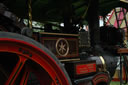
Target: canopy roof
(55, 10)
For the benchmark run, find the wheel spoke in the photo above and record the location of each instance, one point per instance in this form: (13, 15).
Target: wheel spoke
(24, 78)
(45, 68)
(16, 70)
(53, 83)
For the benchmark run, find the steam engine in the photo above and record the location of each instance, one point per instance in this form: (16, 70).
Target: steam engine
(83, 64)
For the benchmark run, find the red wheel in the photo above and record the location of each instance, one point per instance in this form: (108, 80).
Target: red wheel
(26, 62)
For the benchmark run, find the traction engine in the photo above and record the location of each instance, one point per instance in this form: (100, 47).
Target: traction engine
(55, 58)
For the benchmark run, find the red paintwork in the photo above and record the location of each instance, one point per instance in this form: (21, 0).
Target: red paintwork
(110, 17)
(25, 77)
(38, 56)
(14, 74)
(100, 78)
(120, 16)
(123, 76)
(85, 68)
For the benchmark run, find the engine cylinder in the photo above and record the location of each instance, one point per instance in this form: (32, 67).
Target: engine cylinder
(106, 62)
